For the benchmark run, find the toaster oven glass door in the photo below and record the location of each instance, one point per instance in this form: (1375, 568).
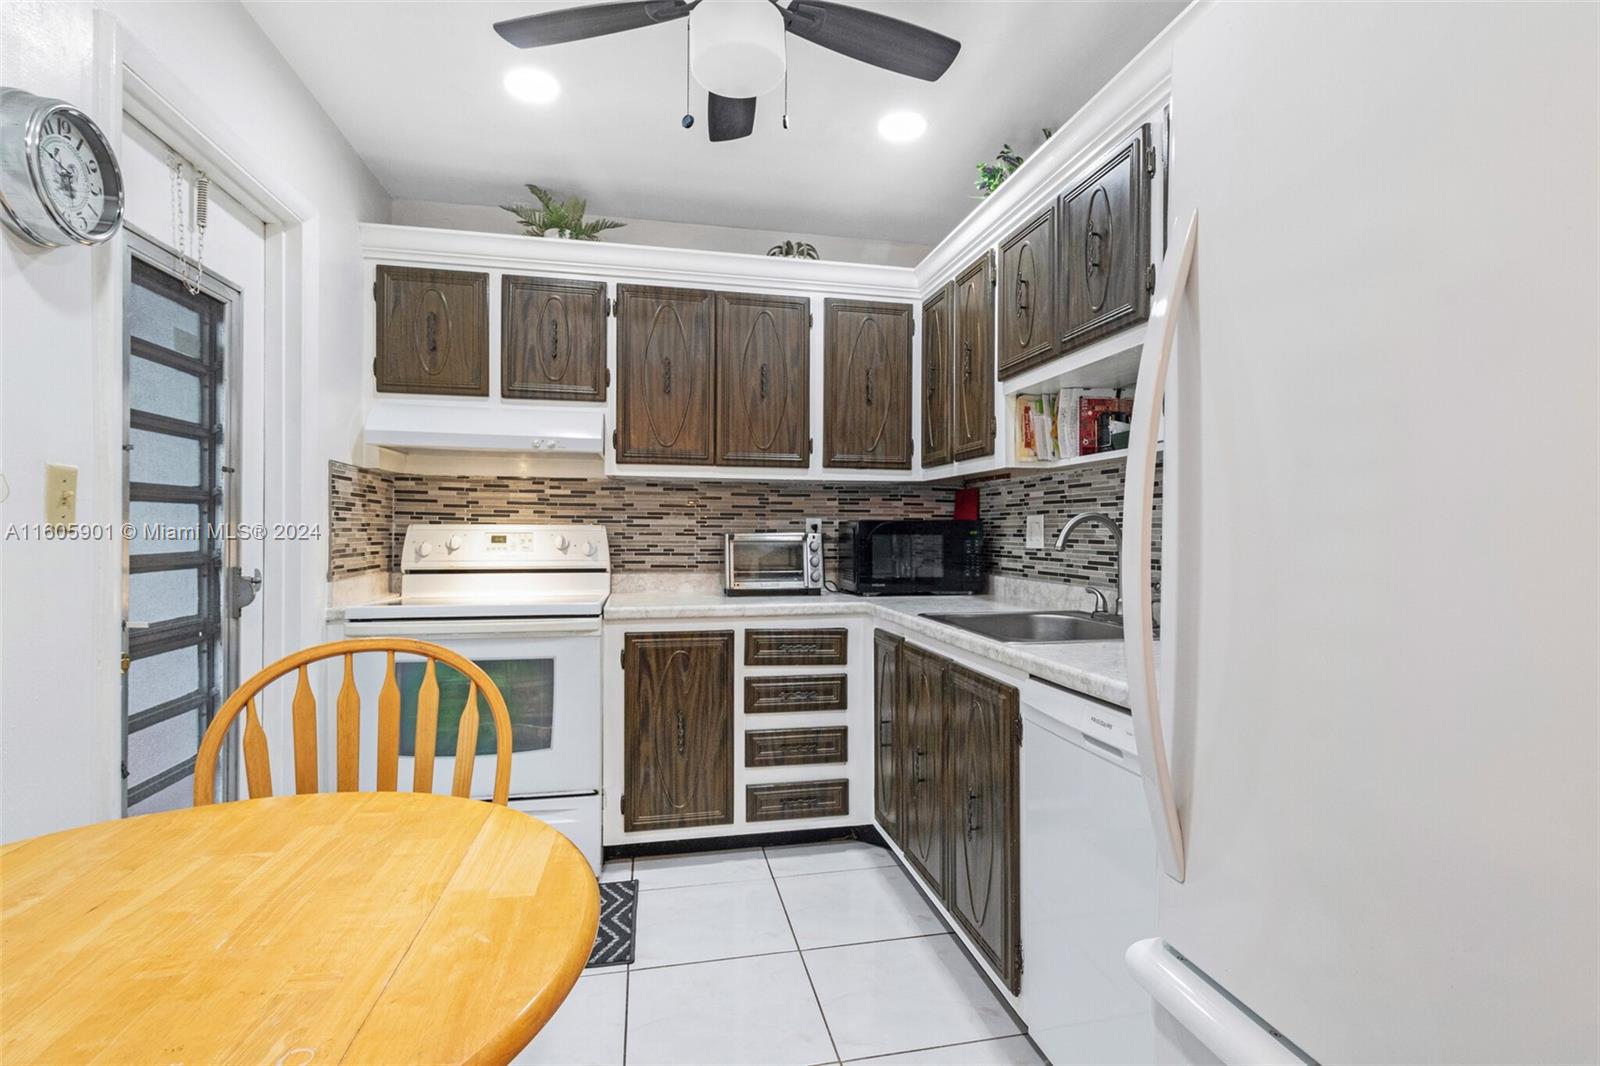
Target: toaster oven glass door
(767, 561)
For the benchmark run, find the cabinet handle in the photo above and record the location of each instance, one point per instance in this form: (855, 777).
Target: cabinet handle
(763, 381)
(869, 385)
(555, 340)
(972, 811)
(885, 733)
(682, 733)
(799, 649)
(1022, 293)
(916, 768)
(431, 329)
(791, 802)
(796, 747)
(800, 696)
(666, 377)
(966, 362)
(933, 379)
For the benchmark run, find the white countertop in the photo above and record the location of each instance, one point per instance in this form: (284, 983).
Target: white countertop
(1094, 668)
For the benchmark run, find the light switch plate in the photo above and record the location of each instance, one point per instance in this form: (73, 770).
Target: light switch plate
(60, 494)
(1035, 531)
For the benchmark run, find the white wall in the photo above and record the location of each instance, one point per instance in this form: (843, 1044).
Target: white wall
(663, 234)
(60, 376)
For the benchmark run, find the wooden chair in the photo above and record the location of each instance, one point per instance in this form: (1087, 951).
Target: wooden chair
(348, 724)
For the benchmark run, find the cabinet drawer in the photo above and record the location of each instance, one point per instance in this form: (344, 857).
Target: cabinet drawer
(796, 647)
(823, 692)
(795, 747)
(800, 799)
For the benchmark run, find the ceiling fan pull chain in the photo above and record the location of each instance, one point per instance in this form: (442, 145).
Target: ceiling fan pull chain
(688, 78)
(785, 81)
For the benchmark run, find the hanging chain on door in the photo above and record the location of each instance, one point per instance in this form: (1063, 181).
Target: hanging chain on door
(180, 219)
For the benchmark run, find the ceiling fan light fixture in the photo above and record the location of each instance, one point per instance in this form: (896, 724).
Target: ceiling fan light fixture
(532, 85)
(736, 47)
(902, 127)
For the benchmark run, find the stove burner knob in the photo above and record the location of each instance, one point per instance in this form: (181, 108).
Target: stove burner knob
(562, 543)
(424, 549)
(589, 547)
(453, 544)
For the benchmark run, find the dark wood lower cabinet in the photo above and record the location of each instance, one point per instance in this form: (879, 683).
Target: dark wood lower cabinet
(677, 730)
(920, 742)
(885, 705)
(982, 757)
(947, 790)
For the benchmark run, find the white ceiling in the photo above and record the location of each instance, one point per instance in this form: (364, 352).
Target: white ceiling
(416, 87)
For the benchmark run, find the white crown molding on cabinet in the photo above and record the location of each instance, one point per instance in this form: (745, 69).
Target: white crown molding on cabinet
(633, 263)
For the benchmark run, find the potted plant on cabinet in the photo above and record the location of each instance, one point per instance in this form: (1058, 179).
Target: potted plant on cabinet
(559, 218)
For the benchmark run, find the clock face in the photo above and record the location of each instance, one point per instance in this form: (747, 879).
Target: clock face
(71, 164)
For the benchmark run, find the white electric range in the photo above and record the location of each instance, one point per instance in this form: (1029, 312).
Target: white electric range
(524, 603)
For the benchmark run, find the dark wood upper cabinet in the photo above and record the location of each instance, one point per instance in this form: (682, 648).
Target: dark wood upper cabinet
(1103, 238)
(886, 699)
(665, 368)
(433, 331)
(921, 729)
(982, 757)
(763, 380)
(1027, 296)
(677, 730)
(552, 339)
(937, 352)
(972, 422)
(867, 385)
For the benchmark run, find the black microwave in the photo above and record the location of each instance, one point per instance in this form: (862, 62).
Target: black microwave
(911, 557)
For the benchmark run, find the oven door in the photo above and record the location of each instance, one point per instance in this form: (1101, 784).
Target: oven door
(548, 670)
(755, 561)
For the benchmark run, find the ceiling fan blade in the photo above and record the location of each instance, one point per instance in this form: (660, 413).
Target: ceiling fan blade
(730, 117)
(872, 38)
(590, 20)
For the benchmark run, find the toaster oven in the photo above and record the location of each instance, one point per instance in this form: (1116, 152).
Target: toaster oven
(761, 564)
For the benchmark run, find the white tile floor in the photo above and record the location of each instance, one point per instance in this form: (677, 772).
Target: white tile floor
(791, 956)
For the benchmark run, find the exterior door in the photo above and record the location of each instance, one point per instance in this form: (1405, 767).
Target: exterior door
(937, 350)
(867, 382)
(982, 757)
(921, 741)
(972, 422)
(552, 339)
(677, 730)
(886, 702)
(665, 355)
(180, 494)
(763, 380)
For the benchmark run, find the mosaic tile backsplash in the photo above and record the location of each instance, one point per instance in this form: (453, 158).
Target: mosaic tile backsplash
(667, 526)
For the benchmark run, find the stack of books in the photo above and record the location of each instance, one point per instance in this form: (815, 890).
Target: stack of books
(1072, 422)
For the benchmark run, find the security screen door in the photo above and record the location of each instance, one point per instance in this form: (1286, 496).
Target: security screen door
(180, 656)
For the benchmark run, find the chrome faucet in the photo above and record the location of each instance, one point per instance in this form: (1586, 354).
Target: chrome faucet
(1095, 517)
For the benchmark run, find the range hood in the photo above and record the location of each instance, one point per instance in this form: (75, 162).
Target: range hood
(407, 425)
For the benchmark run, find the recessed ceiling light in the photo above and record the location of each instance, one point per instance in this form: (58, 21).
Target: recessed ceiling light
(532, 85)
(902, 126)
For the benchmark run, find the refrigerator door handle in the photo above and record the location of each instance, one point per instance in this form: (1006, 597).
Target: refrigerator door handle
(1226, 1029)
(1137, 532)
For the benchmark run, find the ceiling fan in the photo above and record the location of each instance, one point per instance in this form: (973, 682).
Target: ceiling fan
(736, 47)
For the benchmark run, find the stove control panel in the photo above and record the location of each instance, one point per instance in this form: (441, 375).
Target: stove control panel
(505, 547)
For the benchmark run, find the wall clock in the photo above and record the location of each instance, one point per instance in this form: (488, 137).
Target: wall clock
(59, 179)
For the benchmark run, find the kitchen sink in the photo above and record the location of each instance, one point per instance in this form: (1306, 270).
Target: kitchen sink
(1033, 627)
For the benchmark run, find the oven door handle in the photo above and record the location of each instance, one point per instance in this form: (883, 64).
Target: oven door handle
(433, 628)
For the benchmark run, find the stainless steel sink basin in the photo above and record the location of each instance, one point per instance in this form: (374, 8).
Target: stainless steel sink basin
(1033, 627)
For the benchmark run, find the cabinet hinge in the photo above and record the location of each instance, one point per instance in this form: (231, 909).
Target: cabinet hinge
(374, 366)
(1150, 161)
(811, 443)
(374, 292)
(608, 377)
(614, 440)
(1150, 278)
(1016, 727)
(624, 658)
(610, 307)
(810, 320)
(1020, 962)
(623, 803)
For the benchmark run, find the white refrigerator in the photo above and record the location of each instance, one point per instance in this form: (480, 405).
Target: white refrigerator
(1370, 748)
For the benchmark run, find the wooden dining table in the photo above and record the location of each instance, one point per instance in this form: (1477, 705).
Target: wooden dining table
(370, 927)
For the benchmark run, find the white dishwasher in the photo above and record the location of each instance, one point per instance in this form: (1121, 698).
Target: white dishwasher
(1089, 876)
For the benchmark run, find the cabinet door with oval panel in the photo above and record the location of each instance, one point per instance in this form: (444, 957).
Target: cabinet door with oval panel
(867, 385)
(677, 730)
(763, 380)
(1105, 272)
(433, 331)
(983, 748)
(665, 355)
(920, 731)
(552, 339)
(972, 420)
(1027, 296)
(937, 351)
